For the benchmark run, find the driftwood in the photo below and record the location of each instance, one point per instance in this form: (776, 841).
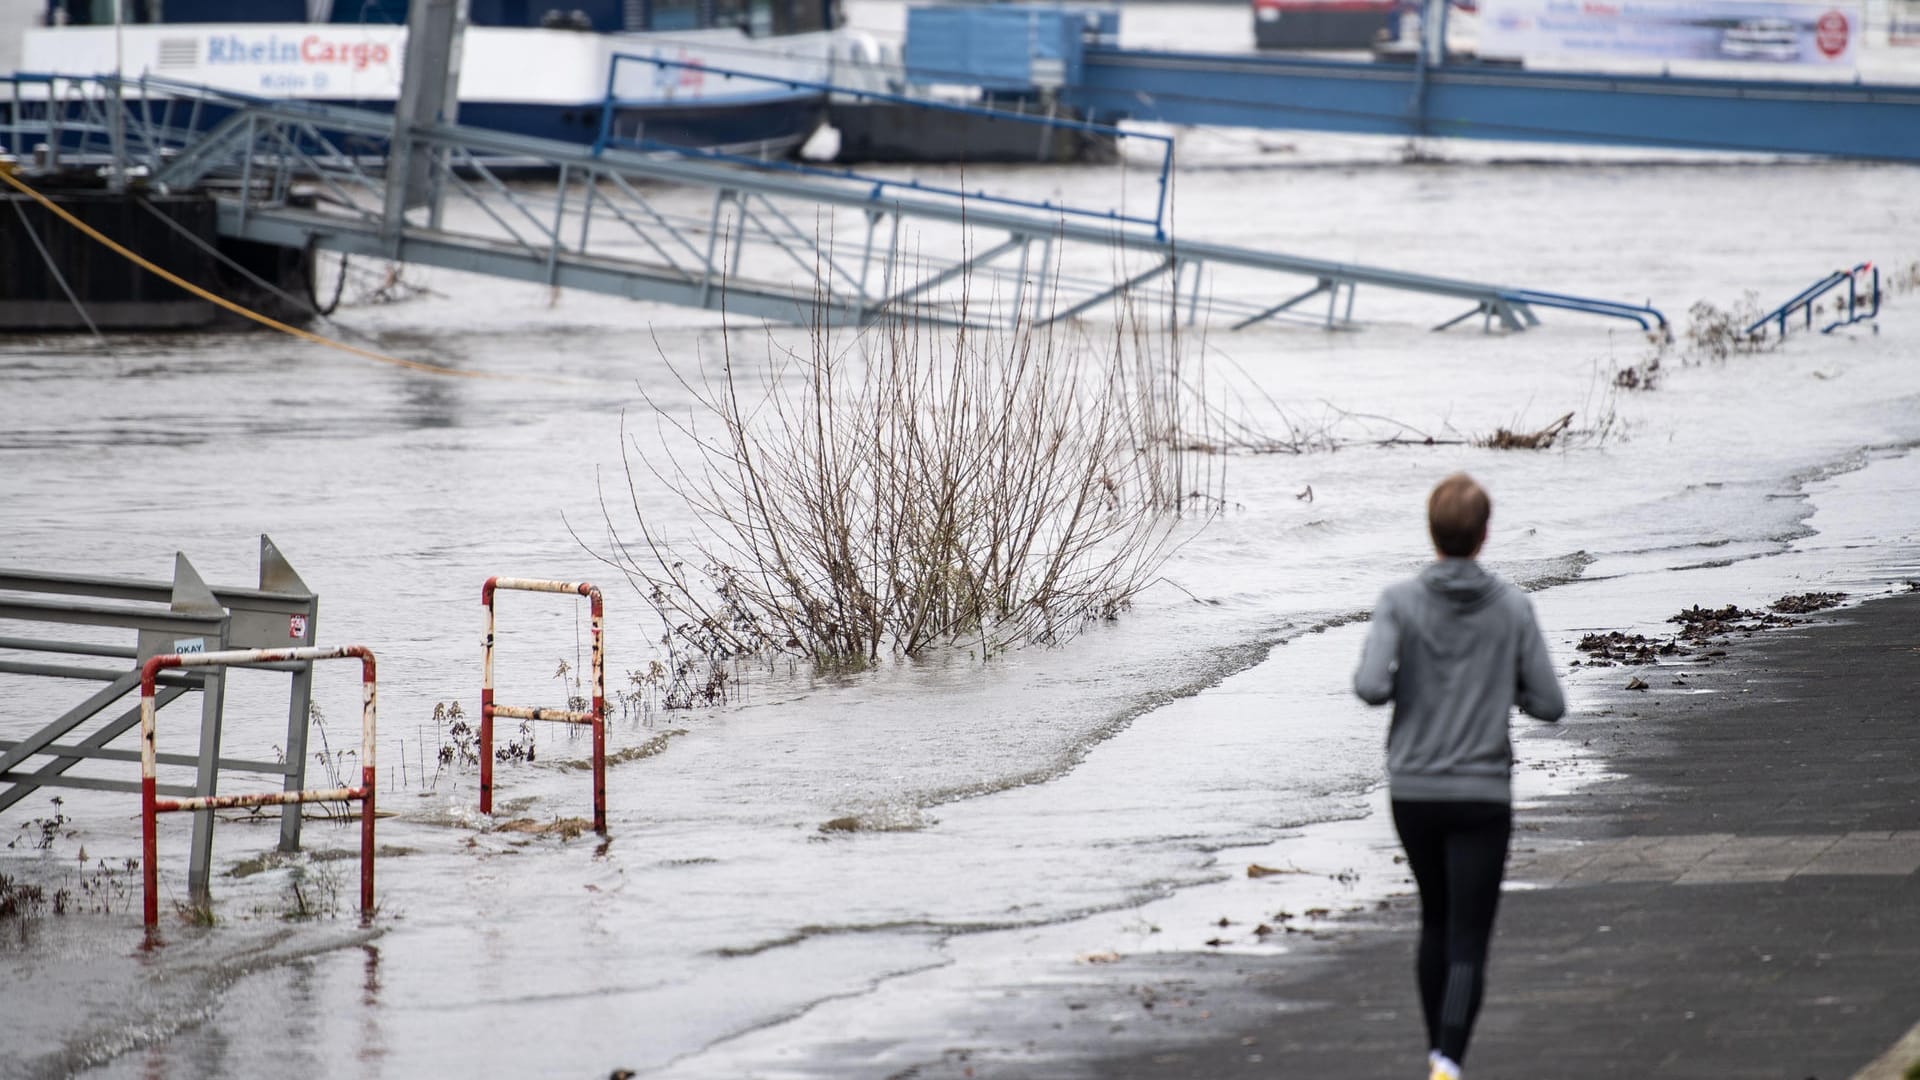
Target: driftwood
(1502, 439)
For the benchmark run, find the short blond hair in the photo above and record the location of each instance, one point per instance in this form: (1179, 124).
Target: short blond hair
(1457, 514)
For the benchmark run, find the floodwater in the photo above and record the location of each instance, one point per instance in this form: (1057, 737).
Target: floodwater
(1010, 816)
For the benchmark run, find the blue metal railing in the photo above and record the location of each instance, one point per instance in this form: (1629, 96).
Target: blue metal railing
(1639, 313)
(73, 114)
(880, 184)
(1806, 298)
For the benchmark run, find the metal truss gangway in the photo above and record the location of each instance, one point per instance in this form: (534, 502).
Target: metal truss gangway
(768, 241)
(128, 622)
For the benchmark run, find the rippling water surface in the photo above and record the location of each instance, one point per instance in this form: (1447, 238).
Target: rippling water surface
(1034, 792)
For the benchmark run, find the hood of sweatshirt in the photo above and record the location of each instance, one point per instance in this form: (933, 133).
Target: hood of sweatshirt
(1449, 588)
(1460, 583)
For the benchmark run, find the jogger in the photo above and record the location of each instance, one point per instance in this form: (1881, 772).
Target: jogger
(1455, 649)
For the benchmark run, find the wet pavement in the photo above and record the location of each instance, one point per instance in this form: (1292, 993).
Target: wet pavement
(1740, 899)
(1741, 902)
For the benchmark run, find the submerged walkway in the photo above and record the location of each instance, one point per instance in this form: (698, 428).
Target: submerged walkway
(1742, 902)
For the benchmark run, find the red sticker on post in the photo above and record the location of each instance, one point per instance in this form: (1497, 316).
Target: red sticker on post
(296, 627)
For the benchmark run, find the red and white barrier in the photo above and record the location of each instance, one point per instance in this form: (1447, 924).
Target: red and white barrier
(152, 805)
(597, 717)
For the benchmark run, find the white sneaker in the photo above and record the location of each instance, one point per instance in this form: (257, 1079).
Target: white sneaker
(1441, 1067)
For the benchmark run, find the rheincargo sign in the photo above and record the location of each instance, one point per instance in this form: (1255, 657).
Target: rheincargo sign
(311, 49)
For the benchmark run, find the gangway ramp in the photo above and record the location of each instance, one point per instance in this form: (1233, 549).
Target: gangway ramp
(763, 242)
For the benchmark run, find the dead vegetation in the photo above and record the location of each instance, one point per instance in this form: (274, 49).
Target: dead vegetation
(1900, 280)
(1614, 647)
(1807, 603)
(19, 899)
(564, 828)
(97, 889)
(1717, 333)
(1700, 629)
(1503, 439)
(1644, 375)
(1700, 625)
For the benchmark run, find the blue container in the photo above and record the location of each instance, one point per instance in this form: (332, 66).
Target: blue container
(1003, 48)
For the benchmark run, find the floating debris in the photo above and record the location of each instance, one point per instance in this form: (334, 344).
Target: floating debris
(1615, 647)
(1502, 439)
(1636, 683)
(1803, 603)
(564, 828)
(1255, 870)
(1698, 624)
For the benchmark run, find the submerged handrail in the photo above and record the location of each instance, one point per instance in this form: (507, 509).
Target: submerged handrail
(1805, 299)
(1638, 313)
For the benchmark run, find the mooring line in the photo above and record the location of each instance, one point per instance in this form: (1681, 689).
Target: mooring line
(58, 277)
(238, 309)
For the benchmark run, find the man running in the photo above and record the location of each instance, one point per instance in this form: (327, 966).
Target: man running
(1454, 648)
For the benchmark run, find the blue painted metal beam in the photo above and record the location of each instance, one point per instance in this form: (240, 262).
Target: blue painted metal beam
(1874, 122)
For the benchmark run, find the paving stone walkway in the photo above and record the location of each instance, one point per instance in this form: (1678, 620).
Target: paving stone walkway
(1742, 902)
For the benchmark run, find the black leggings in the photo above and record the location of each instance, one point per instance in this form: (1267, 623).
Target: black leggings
(1458, 852)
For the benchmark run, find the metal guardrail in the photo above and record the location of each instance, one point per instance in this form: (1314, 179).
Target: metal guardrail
(878, 185)
(151, 805)
(301, 174)
(1808, 298)
(596, 718)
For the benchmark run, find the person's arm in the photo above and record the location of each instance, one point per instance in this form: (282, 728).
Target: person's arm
(1373, 680)
(1539, 693)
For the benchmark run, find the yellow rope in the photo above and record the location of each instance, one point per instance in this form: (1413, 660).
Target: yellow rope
(169, 276)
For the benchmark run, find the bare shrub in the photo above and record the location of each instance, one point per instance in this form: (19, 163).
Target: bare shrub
(912, 487)
(1900, 280)
(1644, 375)
(1247, 418)
(1719, 333)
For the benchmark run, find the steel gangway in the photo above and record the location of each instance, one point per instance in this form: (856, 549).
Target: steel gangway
(105, 630)
(762, 240)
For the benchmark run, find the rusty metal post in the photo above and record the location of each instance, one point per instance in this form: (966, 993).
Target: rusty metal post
(486, 702)
(151, 805)
(599, 715)
(369, 746)
(596, 717)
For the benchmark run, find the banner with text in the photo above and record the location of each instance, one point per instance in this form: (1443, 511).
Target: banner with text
(1751, 31)
(1905, 28)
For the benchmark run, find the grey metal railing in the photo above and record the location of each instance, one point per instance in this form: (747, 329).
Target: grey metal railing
(664, 227)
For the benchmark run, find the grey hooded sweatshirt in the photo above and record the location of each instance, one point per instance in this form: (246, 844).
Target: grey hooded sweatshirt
(1454, 649)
